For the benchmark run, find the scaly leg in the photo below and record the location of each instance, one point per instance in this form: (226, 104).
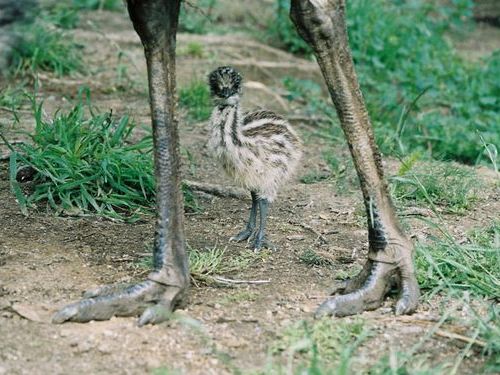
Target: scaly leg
(322, 25)
(260, 238)
(249, 230)
(156, 23)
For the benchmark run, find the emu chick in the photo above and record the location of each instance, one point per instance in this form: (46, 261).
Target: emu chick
(259, 150)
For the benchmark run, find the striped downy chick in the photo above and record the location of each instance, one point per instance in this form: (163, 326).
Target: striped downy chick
(259, 150)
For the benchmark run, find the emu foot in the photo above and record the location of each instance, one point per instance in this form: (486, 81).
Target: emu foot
(260, 243)
(367, 290)
(244, 235)
(251, 236)
(153, 300)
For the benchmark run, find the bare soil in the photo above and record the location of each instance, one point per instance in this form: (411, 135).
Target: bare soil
(47, 261)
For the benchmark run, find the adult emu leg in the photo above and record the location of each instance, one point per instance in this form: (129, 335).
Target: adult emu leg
(322, 25)
(156, 23)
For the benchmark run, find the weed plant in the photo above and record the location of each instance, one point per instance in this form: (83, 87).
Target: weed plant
(65, 15)
(61, 14)
(192, 49)
(206, 264)
(195, 98)
(46, 48)
(85, 162)
(312, 258)
(420, 94)
(12, 97)
(450, 186)
(320, 348)
(444, 264)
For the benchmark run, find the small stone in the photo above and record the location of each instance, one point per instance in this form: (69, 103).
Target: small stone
(306, 308)
(109, 333)
(4, 304)
(104, 349)
(85, 346)
(385, 310)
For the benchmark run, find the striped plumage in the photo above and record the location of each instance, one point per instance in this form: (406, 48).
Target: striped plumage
(259, 150)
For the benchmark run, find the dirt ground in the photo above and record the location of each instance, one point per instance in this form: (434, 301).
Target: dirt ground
(48, 261)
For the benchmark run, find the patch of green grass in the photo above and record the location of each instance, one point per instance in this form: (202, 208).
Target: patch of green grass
(192, 49)
(442, 264)
(312, 258)
(239, 296)
(436, 103)
(196, 19)
(61, 14)
(398, 363)
(87, 164)
(164, 371)
(123, 80)
(12, 97)
(46, 48)
(314, 177)
(195, 98)
(206, 264)
(450, 186)
(486, 236)
(415, 361)
(325, 346)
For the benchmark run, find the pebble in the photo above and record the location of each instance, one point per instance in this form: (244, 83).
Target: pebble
(105, 348)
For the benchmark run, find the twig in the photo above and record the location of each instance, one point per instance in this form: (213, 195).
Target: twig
(231, 281)
(456, 336)
(418, 211)
(16, 111)
(13, 143)
(440, 332)
(64, 82)
(7, 109)
(216, 190)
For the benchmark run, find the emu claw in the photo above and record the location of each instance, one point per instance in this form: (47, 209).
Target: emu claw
(410, 293)
(245, 234)
(371, 293)
(155, 301)
(155, 314)
(258, 244)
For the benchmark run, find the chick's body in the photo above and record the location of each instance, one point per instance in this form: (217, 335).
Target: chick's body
(259, 150)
